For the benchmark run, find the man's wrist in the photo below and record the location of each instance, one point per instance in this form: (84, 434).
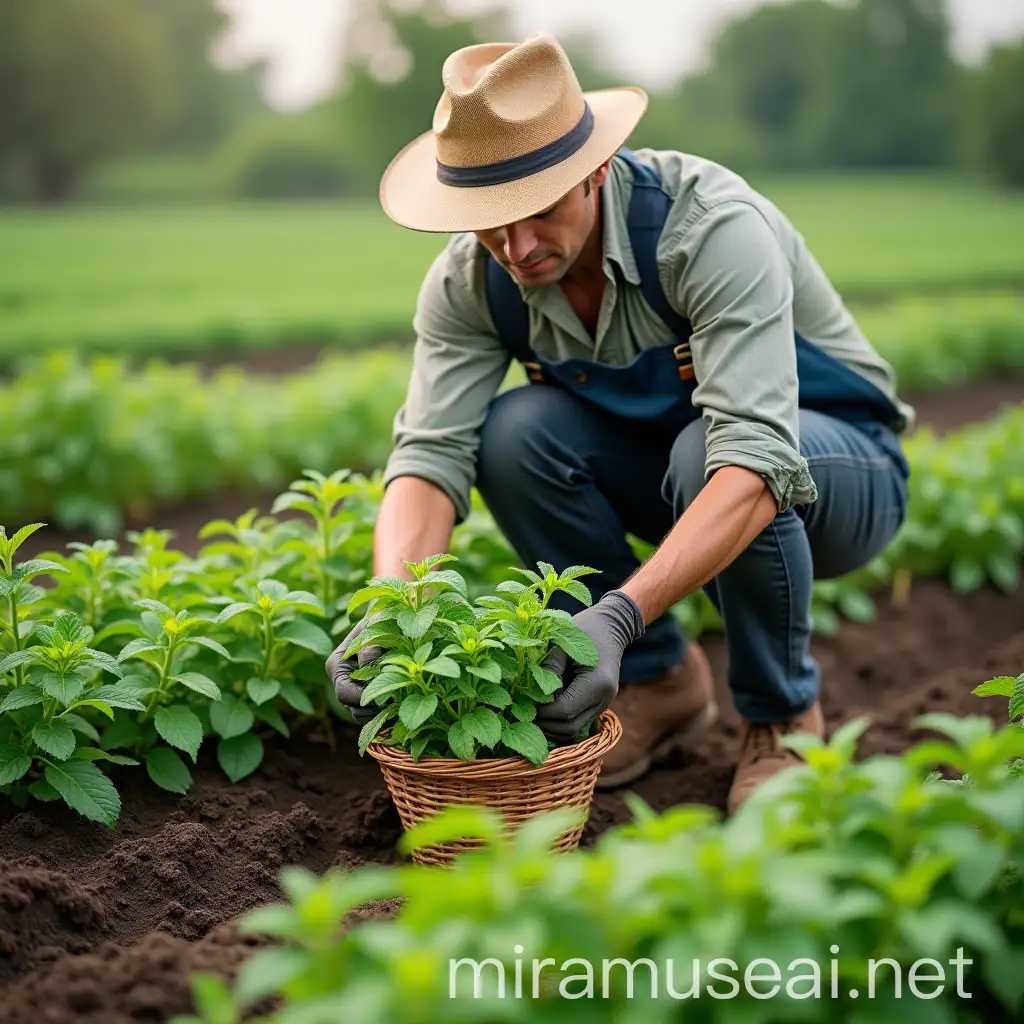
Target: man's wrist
(627, 611)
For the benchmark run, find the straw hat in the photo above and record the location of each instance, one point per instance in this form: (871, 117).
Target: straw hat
(512, 133)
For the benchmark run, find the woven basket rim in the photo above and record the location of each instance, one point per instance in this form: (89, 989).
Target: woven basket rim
(570, 755)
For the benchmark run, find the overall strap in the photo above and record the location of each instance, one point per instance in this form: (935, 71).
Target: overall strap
(648, 208)
(508, 311)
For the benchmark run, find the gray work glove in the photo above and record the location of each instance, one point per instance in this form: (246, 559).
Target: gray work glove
(340, 668)
(613, 623)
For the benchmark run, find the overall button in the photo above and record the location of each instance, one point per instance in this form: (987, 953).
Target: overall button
(580, 377)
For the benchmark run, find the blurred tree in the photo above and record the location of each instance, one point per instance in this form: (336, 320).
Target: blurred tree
(79, 80)
(995, 114)
(208, 101)
(814, 84)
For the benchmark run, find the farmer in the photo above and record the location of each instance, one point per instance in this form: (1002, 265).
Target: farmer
(694, 381)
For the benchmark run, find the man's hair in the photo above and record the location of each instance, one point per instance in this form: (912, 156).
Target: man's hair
(586, 186)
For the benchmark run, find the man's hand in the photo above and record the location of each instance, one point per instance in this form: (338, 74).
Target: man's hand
(340, 668)
(613, 624)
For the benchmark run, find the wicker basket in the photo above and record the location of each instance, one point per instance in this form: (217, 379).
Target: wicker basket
(511, 785)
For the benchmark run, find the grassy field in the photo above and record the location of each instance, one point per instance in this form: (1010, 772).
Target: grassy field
(174, 279)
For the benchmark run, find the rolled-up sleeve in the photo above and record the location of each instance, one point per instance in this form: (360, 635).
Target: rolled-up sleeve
(458, 366)
(733, 281)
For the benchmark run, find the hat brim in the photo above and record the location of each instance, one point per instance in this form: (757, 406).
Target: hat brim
(412, 196)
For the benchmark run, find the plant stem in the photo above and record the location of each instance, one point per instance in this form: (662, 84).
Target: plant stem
(164, 672)
(268, 645)
(325, 537)
(19, 672)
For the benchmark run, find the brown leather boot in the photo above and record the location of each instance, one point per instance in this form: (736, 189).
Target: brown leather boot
(762, 755)
(658, 716)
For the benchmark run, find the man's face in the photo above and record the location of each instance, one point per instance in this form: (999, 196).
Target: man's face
(539, 250)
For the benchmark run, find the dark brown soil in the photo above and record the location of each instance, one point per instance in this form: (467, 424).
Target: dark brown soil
(101, 925)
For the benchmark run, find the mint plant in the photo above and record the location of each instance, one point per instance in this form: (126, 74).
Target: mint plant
(1013, 688)
(461, 677)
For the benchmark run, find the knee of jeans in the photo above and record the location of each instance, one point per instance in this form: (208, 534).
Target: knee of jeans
(519, 433)
(685, 477)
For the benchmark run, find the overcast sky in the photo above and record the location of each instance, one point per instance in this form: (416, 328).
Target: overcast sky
(647, 41)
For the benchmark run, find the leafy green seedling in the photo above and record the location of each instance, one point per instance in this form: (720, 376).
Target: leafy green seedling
(458, 677)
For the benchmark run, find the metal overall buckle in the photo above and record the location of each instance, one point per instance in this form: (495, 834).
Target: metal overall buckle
(534, 372)
(684, 360)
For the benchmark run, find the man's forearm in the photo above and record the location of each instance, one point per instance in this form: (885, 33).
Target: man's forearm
(416, 519)
(731, 510)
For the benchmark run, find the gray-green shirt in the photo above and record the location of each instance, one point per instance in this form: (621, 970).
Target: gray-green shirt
(730, 262)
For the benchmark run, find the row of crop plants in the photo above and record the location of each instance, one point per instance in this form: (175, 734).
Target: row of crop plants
(137, 658)
(83, 442)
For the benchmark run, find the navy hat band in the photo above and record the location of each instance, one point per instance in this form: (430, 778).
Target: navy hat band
(521, 166)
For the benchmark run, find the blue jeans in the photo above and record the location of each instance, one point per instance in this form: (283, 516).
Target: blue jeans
(566, 482)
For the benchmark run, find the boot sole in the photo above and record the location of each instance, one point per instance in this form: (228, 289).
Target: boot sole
(667, 746)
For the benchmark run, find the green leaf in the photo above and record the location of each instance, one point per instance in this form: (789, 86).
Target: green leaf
(65, 691)
(576, 643)
(139, 646)
(575, 571)
(199, 683)
(494, 695)
(95, 754)
(489, 670)
(415, 623)
(122, 732)
(117, 696)
(55, 737)
(303, 600)
(262, 690)
(303, 633)
(451, 578)
(12, 661)
(294, 695)
(578, 591)
(483, 725)
(99, 705)
(386, 682)
(213, 999)
(443, 666)
(180, 727)
(267, 972)
(42, 790)
(22, 697)
(106, 663)
(168, 770)
(417, 708)
(966, 575)
(526, 739)
(81, 726)
(268, 713)
(14, 763)
(85, 789)
(523, 709)
(230, 717)
(210, 645)
(371, 593)
(547, 680)
(150, 605)
(419, 744)
(461, 741)
(234, 609)
(1000, 686)
(374, 726)
(240, 756)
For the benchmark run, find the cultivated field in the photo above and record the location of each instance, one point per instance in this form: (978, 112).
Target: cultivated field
(169, 742)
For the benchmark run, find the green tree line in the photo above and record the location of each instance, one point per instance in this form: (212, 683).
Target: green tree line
(800, 85)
